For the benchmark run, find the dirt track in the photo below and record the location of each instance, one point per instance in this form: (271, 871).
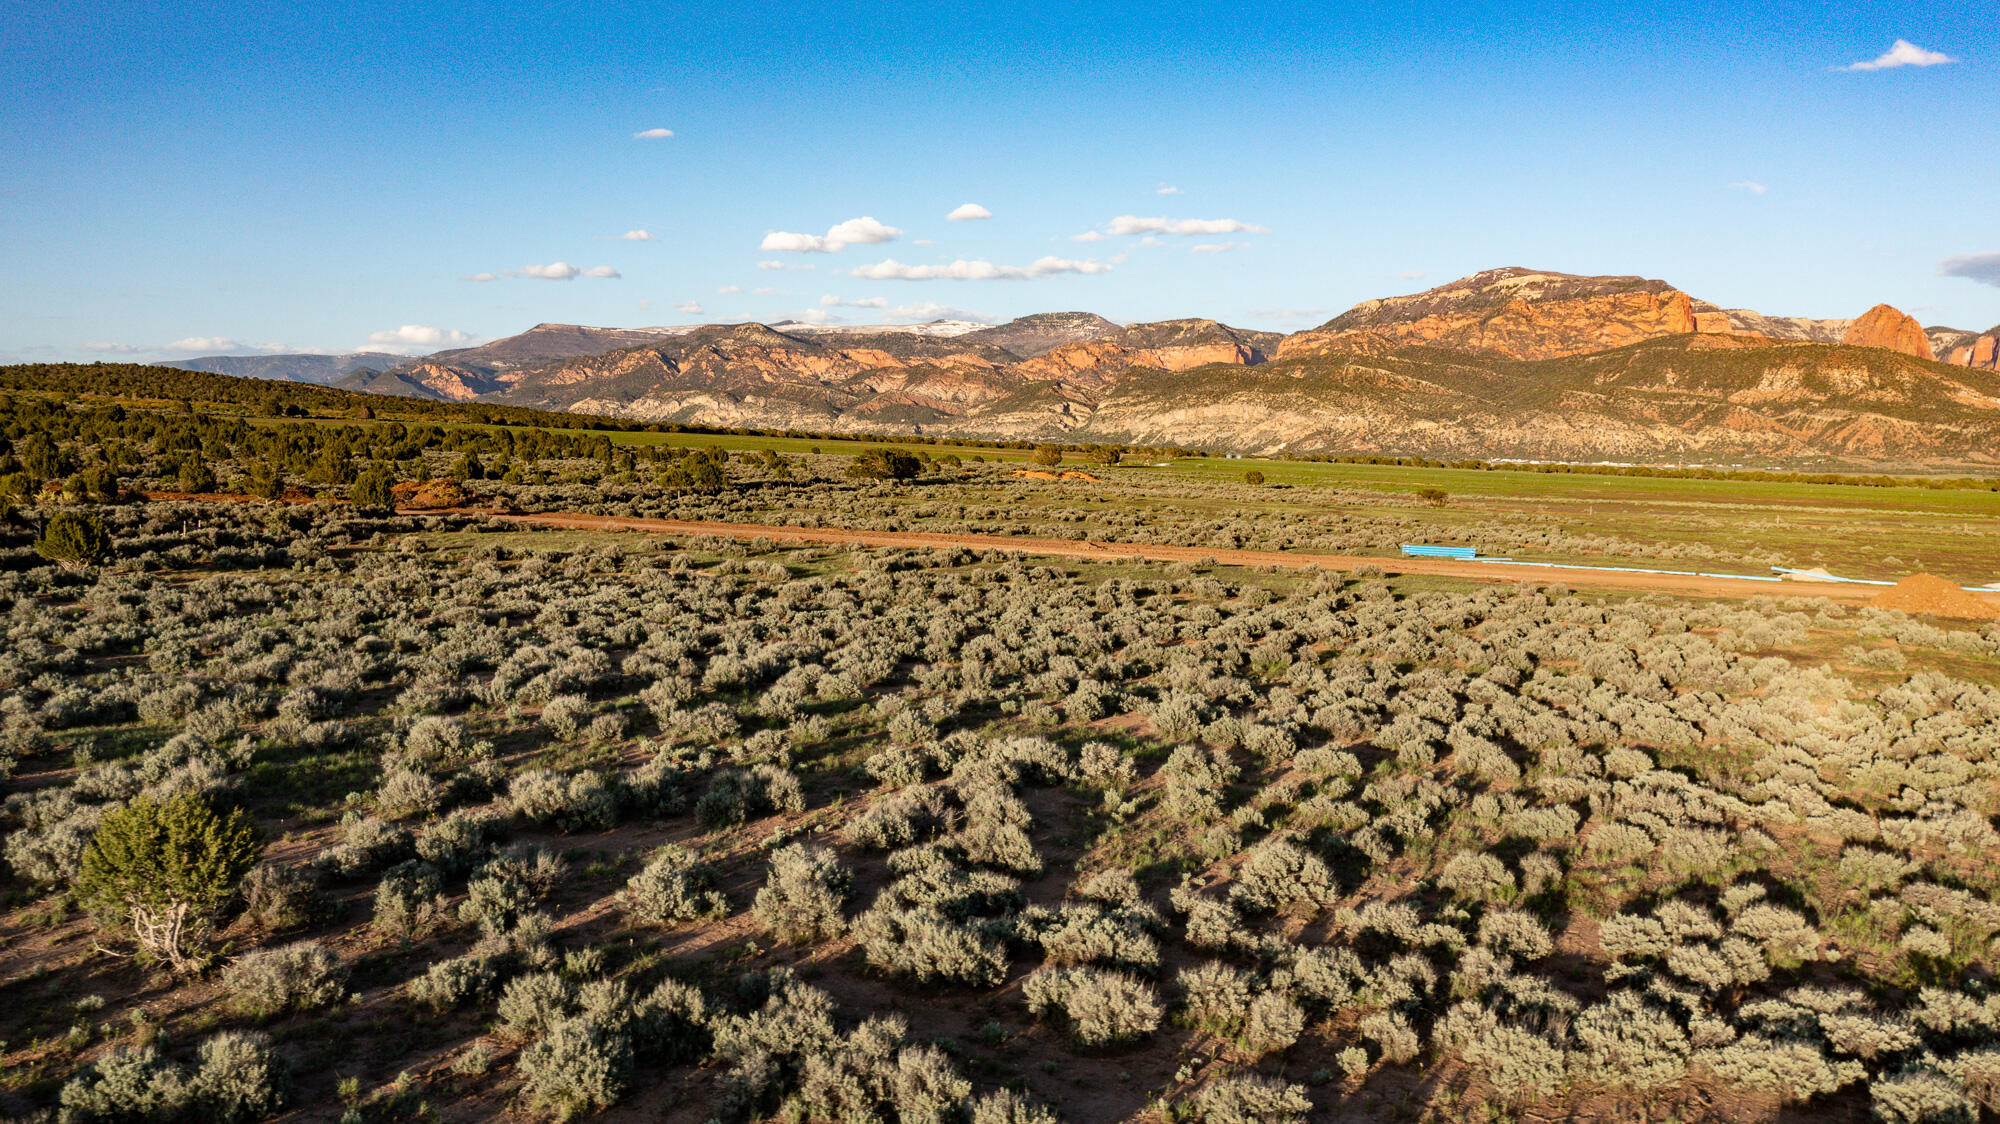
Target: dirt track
(1066, 548)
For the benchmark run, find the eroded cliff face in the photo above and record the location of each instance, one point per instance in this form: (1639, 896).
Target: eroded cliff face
(1094, 363)
(1515, 313)
(1982, 352)
(1883, 326)
(451, 383)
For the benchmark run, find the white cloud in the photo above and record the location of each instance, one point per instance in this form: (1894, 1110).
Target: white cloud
(418, 335)
(787, 242)
(831, 301)
(1167, 189)
(480, 277)
(1903, 53)
(783, 265)
(653, 134)
(977, 270)
(1406, 275)
(928, 310)
(763, 291)
(1149, 240)
(564, 271)
(864, 231)
(554, 271)
(819, 316)
(966, 212)
(1132, 224)
(726, 290)
(924, 242)
(1217, 247)
(689, 308)
(202, 343)
(1751, 186)
(1088, 236)
(1983, 268)
(636, 236)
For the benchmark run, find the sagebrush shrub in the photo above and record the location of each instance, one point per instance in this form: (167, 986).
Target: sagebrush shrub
(1100, 1007)
(802, 894)
(266, 981)
(236, 1078)
(582, 801)
(531, 1004)
(577, 1067)
(277, 897)
(673, 887)
(410, 899)
(1250, 1099)
(928, 948)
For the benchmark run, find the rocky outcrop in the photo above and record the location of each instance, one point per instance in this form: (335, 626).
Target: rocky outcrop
(1981, 352)
(1093, 363)
(424, 380)
(1750, 322)
(1513, 312)
(1883, 326)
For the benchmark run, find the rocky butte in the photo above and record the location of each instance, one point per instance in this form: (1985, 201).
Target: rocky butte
(1886, 327)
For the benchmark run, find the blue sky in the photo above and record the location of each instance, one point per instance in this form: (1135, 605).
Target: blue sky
(228, 178)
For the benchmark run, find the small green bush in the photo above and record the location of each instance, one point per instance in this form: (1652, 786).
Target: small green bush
(74, 540)
(885, 464)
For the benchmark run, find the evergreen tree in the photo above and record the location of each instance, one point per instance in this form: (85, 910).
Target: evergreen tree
(74, 540)
(885, 464)
(371, 488)
(163, 872)
(195, 476)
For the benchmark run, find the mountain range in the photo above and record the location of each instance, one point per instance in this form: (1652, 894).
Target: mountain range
(1508, 362)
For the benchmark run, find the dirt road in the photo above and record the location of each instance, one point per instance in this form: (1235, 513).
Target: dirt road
(1104, 552)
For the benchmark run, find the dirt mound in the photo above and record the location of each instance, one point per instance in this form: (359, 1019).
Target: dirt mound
(1033, 474)
(432, 495)
(1928, 593)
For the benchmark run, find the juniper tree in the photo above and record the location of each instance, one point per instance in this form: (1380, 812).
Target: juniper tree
(163, 872)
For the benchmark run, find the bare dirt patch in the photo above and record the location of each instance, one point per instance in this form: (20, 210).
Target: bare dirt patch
(1987, 605)
(1934, 596)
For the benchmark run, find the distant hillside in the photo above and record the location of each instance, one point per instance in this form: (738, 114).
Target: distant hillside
(1030, 336)
(544, 342)
(319, 369)
(1510, 362)
(1683, 399)
(1515, 312)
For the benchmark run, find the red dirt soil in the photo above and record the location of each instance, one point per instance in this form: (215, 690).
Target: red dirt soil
(1933, 595)
(1977, 606)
